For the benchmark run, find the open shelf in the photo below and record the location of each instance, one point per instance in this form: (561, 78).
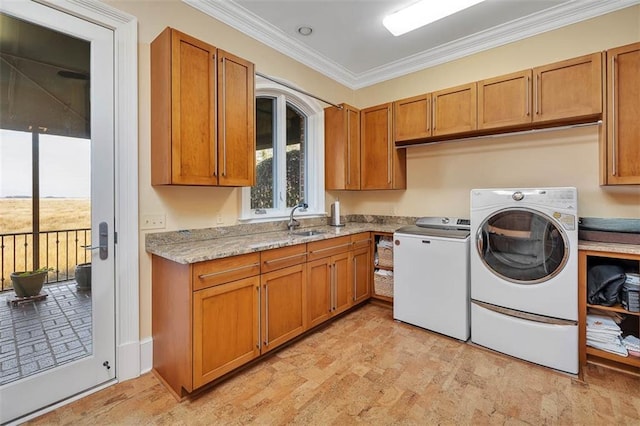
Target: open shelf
(630, 260)
(376, 238)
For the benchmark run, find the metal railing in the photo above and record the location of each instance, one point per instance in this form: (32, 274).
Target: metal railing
(60, 250)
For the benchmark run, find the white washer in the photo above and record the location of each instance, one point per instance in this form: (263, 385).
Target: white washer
(524, 274)
(431, 275)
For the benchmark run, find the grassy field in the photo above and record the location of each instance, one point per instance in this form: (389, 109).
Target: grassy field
(60, 251)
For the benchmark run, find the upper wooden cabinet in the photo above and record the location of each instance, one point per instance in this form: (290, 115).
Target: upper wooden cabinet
(505, 101)
(412, 118)
(342, 147)
(620, 155)
(570, 89)
(202, 114)
(382, 165)
(454, 110)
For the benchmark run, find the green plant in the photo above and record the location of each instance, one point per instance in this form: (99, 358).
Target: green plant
(34, 272)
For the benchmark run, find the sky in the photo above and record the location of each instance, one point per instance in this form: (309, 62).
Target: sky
(65, 165)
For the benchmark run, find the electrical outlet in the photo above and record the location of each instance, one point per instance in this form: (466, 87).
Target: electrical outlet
(219, 220)
(152, 221)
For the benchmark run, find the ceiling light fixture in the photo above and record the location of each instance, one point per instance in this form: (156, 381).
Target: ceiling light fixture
(305, 31)
(422, 13)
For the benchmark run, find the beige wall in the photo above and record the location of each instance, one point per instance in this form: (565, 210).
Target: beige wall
(439, 176)
(194, 207)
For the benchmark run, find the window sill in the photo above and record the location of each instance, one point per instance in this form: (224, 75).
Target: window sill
(274, 217)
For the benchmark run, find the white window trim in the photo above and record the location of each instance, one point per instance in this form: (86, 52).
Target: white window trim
(315, 155)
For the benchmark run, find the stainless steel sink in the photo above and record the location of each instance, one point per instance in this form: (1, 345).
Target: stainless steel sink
(309, 233)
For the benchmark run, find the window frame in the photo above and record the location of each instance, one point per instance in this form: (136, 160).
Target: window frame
(314, 113)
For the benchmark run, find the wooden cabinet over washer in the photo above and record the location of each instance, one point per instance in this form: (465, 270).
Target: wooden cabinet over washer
(505, 101)
(620, 155)
(412, 118)
(455, 110)
(568, 90)
(202, 114)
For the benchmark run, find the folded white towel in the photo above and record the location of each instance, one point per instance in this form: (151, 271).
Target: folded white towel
(615, 348)
(632, 343)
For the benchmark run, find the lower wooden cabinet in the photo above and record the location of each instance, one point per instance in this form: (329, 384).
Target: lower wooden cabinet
(327, 287)
(283, 305)
(225, 328)
(209, 318)
(361, 267)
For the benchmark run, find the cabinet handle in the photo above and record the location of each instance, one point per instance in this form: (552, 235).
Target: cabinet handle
(282, 259)
(329, 248)
(213, 274)
(215, 116)
(614, 132)
(433, 114)
(527, 91)
(259, 345)
(389, 148)
(355, 277)
(359, 242)
(333, 286)
(427, 117)
(266, 315)
(348, 148)
(224, 117)
(536, 94)
(330, 288)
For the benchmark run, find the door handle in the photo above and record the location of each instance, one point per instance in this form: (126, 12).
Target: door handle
(103, 241)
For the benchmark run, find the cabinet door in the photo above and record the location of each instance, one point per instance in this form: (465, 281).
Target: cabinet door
(568, 90)
(236, 121)
(340, 283)
(505, 101)
(342, 147)
(382, 166)
(225, 328)
(283, 305)
(454, 110)
(622, 154)
(412, 118)
(183, 79)
(319, 292)
(361, 264)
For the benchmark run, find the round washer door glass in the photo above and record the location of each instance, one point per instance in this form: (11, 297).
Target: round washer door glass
(522, 245)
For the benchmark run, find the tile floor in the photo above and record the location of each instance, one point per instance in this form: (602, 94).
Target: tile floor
(36, 336)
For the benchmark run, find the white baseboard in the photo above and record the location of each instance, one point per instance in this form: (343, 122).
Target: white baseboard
(146, 355)
(128, 365)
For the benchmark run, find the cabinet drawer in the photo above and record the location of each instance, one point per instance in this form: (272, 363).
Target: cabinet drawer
(359, 241)
(272, 260)
(220, 271)
(329, 247)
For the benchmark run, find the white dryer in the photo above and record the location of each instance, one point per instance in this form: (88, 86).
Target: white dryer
(524, 274)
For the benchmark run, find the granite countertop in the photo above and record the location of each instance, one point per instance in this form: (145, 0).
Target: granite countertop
(192, 246)
(609, 247)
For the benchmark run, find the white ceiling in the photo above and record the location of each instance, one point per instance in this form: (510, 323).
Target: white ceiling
(350, 45)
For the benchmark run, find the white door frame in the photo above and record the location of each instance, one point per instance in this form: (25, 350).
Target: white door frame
(125, 30)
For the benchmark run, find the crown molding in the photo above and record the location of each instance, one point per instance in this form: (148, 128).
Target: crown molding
(553, 18)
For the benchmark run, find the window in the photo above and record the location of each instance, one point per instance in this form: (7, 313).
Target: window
(289, 155)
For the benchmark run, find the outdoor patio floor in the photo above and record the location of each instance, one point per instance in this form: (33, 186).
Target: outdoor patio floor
(37, 336)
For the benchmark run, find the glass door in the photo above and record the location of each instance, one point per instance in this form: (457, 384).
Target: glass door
(56, 205)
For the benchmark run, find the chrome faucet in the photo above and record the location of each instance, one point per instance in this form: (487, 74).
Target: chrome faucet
(293, 224)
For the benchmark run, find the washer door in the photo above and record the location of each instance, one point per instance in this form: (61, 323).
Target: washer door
(522, 246)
